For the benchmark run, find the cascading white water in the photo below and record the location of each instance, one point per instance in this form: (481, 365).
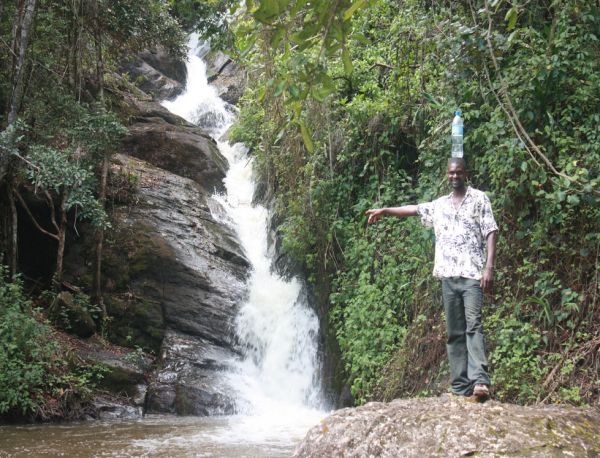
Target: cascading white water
(276, 382)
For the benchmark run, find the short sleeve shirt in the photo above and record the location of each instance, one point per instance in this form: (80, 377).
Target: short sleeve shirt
(460, 234)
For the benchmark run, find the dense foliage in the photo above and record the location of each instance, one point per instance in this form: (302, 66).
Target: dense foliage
(38, 380)
(375, 132)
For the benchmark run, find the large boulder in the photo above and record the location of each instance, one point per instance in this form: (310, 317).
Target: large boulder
(157, 73)
(183, 150)
(165, 63)
(451, 426)
(190, 378)
(124, 374)
(172, 266)
(227, 76)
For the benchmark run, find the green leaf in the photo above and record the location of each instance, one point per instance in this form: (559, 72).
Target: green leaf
(324, 87)
(353, 8)
(279, 88)
(294, 90)
(348, 67)
(511, 18)
(277, 36)
(361, 38)
(267, 12)
(306, 136)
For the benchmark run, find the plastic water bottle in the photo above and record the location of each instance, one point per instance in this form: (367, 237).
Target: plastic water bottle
(457, 135)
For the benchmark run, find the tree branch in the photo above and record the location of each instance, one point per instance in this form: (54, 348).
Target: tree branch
(33, 220)
(52, 210)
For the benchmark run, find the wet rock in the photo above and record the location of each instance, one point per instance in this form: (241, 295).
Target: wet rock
(107, 410)
(190, 378)
(153, 82)
(136, 105)
(125, 374)
(169, 255)
(452, 426)
(161, 398)
(166, 64)
(183, 150)
(225, 75)
(175, 253)
(157, 73)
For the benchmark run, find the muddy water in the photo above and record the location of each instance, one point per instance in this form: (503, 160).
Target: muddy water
(236, 436)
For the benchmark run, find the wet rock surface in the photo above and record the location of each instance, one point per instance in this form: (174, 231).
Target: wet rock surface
(452, 426)
(104, 409)
(183, 150)
(174, 254)
(189, 381)
(173, 276)
(157, 73)
(125, 373)
(226, 75)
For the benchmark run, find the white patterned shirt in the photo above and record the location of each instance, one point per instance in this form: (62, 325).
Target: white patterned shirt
(460, 234)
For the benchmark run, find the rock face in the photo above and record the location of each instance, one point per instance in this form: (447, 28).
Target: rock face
(184, 150)
(226, 75)
(189, 381)
(450, 426)
(158, 74)
(184, 262)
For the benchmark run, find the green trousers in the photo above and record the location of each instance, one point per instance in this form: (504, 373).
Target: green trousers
(463, 301)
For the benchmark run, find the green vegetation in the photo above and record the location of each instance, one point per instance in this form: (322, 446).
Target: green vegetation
(38, 378)
(349, 107)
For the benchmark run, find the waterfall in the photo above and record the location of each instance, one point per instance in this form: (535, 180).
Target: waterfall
(276, 382)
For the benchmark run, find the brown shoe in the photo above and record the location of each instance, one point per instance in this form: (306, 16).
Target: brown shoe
(481, 391)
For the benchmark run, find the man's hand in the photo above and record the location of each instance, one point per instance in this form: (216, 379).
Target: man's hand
(487, 281)
(375, 214)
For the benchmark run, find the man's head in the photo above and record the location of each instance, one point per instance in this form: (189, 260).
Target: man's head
(457, 172)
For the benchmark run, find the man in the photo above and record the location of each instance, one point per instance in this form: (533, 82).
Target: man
(463, 222)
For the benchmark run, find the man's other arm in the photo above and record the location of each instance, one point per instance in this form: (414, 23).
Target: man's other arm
(487, 280)
(377, 213)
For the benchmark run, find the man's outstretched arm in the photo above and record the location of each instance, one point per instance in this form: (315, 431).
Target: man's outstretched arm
(377, 213)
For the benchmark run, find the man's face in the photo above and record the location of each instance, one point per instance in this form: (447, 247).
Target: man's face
(456, 175)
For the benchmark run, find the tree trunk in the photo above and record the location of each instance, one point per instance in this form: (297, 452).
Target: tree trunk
(13, 247)
(15, 34)
(99, 239)
(99, 58)
(62, 235)
(19, 81)
(99, 236)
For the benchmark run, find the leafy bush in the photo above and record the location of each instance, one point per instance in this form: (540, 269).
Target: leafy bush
(36, 378)
(27, 351)
(518, 369)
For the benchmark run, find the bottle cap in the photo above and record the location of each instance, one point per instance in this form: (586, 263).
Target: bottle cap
(457, 113)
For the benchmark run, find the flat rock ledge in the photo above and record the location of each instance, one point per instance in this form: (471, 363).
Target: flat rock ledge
(452, 426)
